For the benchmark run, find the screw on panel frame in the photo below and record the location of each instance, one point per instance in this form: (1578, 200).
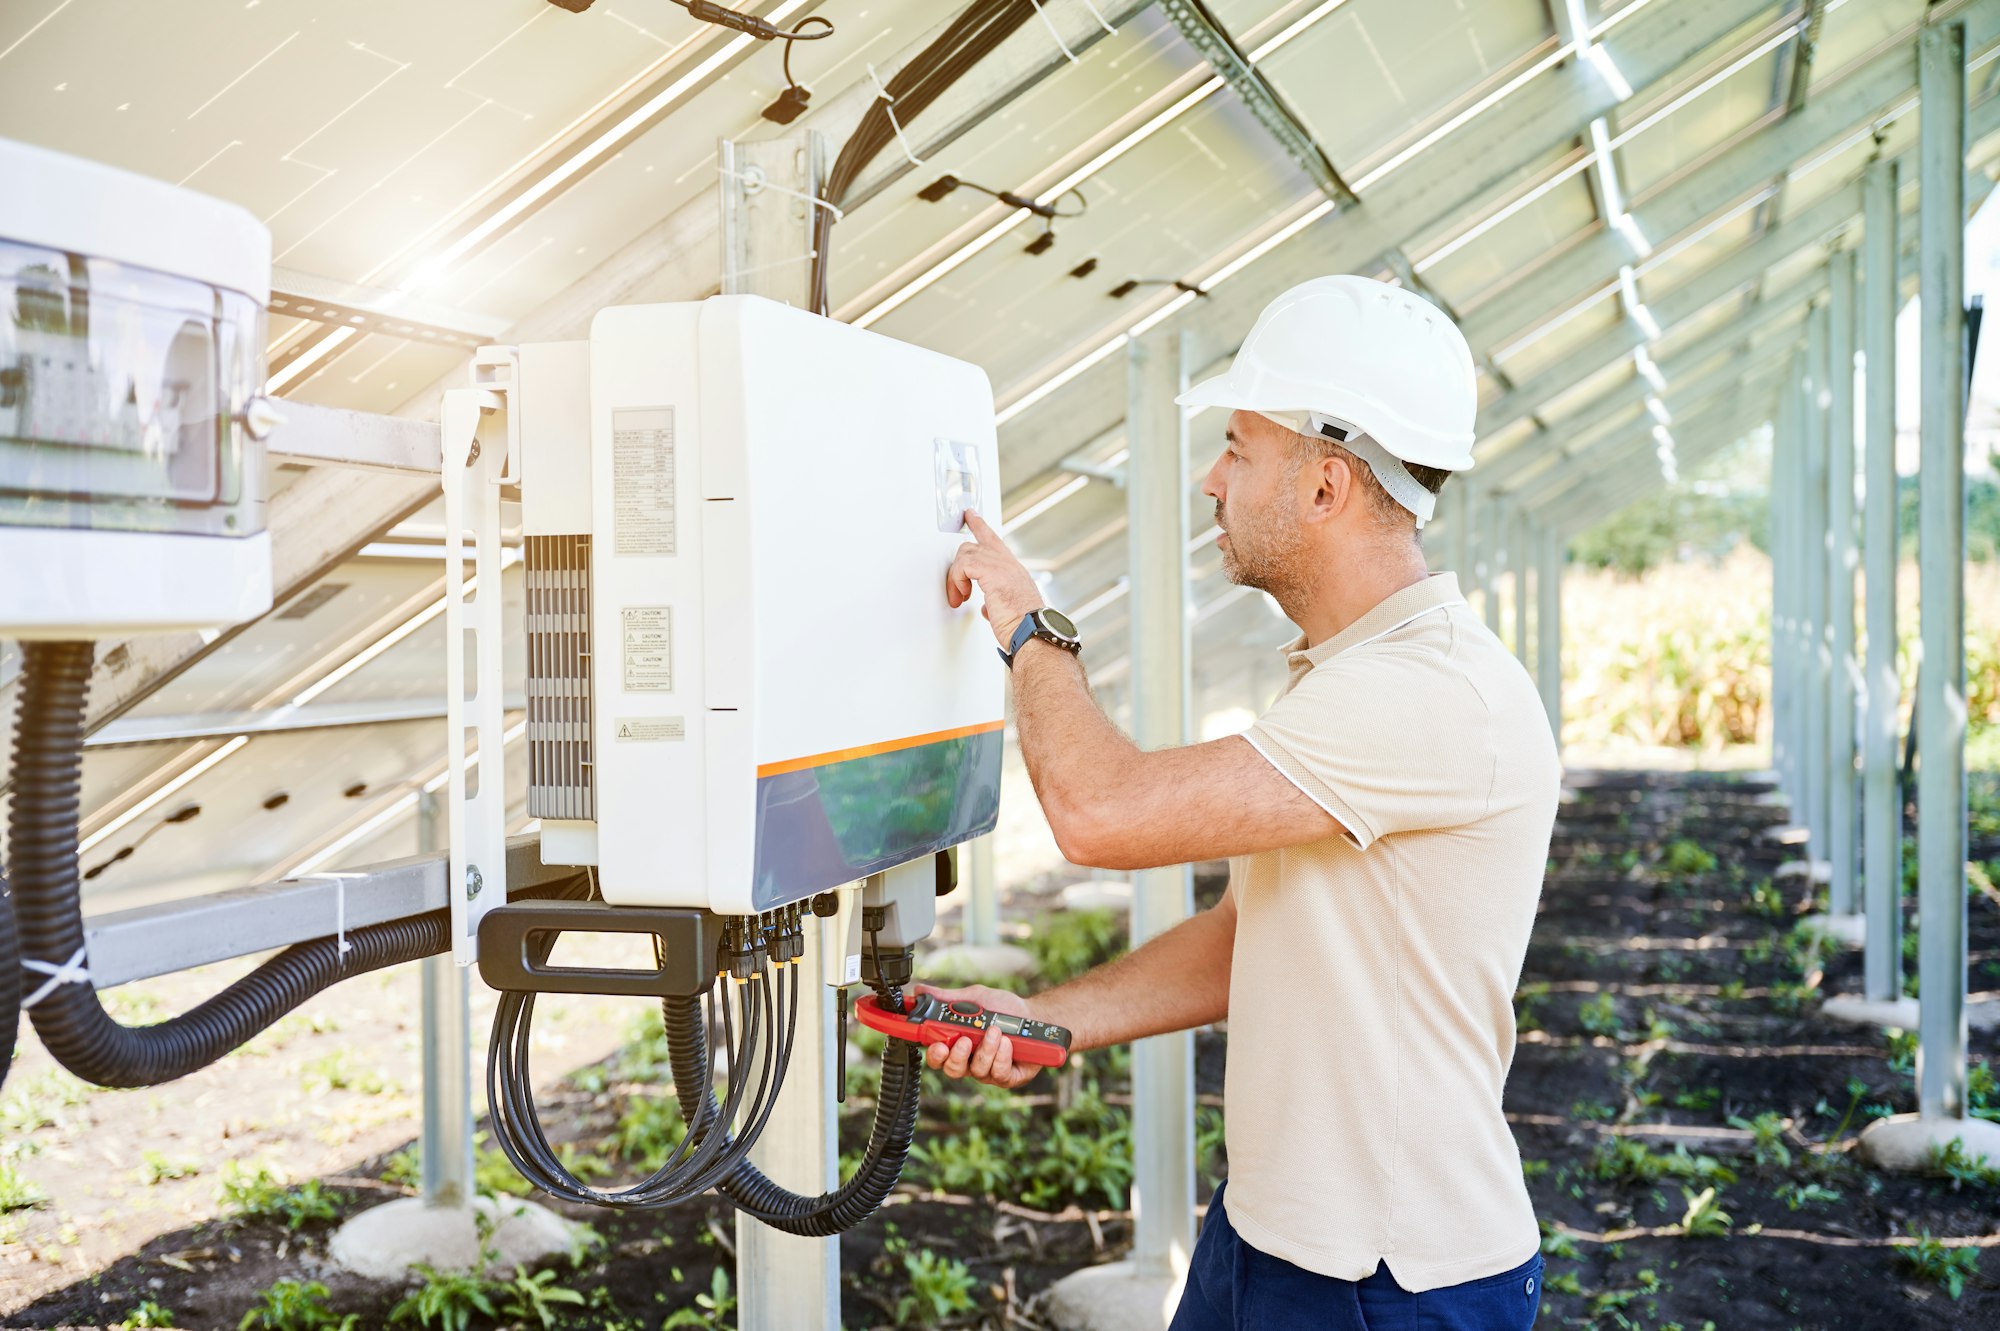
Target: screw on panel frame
(473, 881)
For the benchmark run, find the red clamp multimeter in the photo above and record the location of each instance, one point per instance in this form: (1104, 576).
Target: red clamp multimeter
(932, 1020)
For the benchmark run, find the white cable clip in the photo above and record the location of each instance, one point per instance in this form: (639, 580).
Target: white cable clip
(69, 972)
(339, 881)
(1094, 13)
(894, 124)
(1050, 25)
(754, 180)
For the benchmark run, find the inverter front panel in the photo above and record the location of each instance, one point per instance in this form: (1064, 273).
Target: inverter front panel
(784, 701)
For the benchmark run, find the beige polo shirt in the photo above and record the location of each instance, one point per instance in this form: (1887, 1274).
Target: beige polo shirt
(1371, 1016)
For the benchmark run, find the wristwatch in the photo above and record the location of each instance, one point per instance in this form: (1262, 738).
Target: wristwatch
(1048, 625)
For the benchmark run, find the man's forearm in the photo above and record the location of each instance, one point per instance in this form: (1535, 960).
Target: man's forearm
(1070, 748)
(1176, 981)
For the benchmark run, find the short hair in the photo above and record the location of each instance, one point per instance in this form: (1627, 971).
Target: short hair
(1388, 512)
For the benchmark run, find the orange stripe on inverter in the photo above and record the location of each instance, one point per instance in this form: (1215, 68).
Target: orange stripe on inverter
(869, 750)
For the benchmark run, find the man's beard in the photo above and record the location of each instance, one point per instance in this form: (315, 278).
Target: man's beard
(1266, 552)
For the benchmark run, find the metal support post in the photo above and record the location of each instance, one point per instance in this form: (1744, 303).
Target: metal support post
(785, 1281)
(1522, 545)
(1548, 625)
(1844, 671)
(1784, 603)
(982, 893)
(1162, 1065)
(1941, 833)
(1493, 554)
(1816, 664)
(445, 1149)
(1882, 813)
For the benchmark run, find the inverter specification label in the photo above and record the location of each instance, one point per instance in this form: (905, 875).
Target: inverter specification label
(642, 475)
(652, 729)
(648, 639)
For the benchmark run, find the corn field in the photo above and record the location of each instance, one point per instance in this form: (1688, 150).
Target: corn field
(1681, 657)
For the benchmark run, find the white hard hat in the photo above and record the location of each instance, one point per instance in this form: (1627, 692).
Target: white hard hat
(1373, 357)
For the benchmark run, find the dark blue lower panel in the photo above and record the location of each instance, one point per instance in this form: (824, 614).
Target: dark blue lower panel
(825, 826)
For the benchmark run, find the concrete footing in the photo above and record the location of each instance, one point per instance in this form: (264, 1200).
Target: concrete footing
(1900, 1013)
(1098, 894)
(384, 1242)
(1114, 1297)
(1851, 930)
(1906, 1142)
(973, 961)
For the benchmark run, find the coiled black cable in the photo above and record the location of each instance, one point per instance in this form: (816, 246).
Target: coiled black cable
(47, 778)
(709, 1156)
(703, 1158)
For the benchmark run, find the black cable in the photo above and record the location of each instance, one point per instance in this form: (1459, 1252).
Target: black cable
(762, 29)
(973, 35)
(796, 35)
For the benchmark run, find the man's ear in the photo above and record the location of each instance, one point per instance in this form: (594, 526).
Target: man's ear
(1333, 488)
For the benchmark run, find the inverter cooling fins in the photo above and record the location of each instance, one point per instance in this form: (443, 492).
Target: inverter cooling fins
(560, 769)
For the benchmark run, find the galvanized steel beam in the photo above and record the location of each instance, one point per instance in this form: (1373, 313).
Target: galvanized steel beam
(1940, 716)
(1882, 805)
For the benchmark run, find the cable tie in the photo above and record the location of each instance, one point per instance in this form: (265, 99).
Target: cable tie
(1094, 13)
(889, 109)
(1049, 23)
(756, 180)
(72, 971)
(339, 881)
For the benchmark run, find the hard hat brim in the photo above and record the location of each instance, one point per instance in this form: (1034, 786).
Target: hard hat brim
(1219, 391)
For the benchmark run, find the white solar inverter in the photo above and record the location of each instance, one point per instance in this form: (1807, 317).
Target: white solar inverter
(745, 685)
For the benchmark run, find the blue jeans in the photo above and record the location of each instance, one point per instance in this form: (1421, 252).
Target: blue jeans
(1231, 1286)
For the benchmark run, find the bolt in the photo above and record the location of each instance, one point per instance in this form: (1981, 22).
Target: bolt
(472, 455)
(473, 881)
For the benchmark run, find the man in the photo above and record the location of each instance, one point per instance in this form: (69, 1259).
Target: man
(1386, 821)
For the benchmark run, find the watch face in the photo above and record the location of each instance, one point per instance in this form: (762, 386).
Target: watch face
(1059, 621)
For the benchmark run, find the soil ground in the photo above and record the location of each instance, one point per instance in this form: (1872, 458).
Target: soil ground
(1670, 1042)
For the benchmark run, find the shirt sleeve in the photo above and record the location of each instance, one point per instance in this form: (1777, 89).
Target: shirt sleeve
(1385, 743)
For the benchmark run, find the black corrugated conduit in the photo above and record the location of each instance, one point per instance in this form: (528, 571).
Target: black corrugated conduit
(10, 980)
(747, 1188)
(48, 767)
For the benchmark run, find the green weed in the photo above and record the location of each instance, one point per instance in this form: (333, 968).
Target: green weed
(1796, 1195)
(1954, 1163)
(258, 1192)
(296, 1305)
(1684, 858)
(1599, 1015)
(1065, 944)
(1767, 1134)
(1946, 1267)
(16, 1193)
(536, 1297)
(1626, 1159)
(1705, 1218)
(146, 1316)
(156, 1168)
(967, 1162)
(446, 1299)
(709, 1309)
(940, 1287)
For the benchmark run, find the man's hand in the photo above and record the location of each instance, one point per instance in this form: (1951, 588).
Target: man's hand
(992, 1059)
(1008, 587)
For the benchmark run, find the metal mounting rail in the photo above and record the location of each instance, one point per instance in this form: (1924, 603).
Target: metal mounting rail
(169, 936)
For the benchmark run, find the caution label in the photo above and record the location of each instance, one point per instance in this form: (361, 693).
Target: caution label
(642, 480)
(648, 642)
(651, 729)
